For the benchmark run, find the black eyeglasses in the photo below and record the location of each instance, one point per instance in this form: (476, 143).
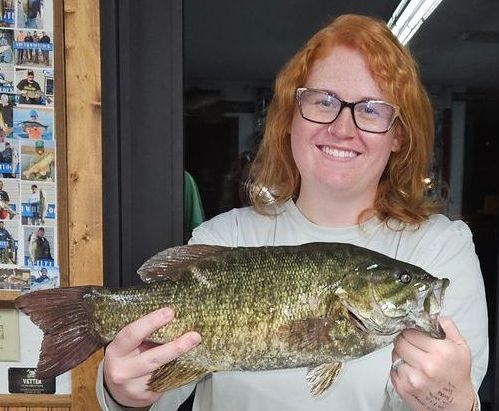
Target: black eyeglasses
(323, 107)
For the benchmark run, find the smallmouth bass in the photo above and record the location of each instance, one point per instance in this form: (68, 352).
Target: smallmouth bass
(314, 305)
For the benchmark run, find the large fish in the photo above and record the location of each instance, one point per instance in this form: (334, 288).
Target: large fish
(315, 305)
(41, 169)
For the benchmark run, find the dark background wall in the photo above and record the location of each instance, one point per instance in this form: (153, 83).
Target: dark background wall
(142, 133)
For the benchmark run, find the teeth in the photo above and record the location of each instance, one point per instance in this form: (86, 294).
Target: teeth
(338, 153)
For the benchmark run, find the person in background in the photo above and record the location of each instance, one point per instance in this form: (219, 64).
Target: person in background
(43, 276)
(45, 39)
(6, 55)
(32, 12)
(6, 241)
(21, 35)
(4, 203)
(44, 244)
(28, 89)
(347, 144)
(6, 156)
(29, 51)
(34, 204)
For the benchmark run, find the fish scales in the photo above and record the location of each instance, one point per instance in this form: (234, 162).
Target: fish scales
(233, 302)
(256, 308)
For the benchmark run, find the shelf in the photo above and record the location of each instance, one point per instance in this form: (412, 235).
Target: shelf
(7, 298)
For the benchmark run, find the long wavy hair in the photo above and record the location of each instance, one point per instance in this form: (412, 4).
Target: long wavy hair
(401, 190)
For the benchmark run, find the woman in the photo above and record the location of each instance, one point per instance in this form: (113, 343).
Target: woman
(346, 147)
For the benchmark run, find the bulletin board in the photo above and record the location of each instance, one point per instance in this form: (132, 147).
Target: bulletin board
(50, 171)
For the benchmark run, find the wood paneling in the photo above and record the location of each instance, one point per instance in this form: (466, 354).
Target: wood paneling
(17, 402)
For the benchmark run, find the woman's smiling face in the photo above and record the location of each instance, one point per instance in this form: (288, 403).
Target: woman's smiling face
(339, 158)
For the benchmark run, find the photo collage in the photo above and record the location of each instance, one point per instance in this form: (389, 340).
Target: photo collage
(28, 187)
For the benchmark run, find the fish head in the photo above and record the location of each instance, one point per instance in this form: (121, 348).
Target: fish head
(385, 298)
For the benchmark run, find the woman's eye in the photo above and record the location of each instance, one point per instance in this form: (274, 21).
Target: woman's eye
(370, 110)
(325, 103)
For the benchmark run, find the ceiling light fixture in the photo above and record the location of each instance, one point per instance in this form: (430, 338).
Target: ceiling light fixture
(409, 16)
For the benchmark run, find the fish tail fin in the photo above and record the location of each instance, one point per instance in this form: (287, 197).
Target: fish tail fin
(65, 317)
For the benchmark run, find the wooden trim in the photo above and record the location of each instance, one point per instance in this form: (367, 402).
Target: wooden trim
(84, 167)
(61, 144)
(35, 400)
(7, 298)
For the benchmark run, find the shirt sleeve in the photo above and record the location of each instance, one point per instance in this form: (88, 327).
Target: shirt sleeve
(169, 401)
(220, 230)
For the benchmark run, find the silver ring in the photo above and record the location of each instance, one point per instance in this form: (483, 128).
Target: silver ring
(397, 363)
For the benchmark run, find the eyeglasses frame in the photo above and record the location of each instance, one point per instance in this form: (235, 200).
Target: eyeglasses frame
(350, 105)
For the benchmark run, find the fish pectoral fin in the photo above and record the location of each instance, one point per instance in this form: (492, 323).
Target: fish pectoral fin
(175, 374)
(171, 263)
(307, 334)
(320, 378)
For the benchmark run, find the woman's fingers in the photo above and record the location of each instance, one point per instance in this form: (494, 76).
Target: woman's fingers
(151, 359)
(129, 360)
(130, 337)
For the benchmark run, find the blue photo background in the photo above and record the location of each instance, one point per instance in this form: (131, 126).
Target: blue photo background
(27, 114)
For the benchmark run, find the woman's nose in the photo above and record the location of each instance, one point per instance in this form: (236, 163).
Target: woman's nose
(344, 125)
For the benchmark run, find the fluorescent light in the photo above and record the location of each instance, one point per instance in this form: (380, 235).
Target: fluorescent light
(409, 16)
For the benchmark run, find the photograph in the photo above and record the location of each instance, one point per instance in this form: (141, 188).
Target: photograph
(39, 246)
(33, 48)
(34, 123)
(14, 278)
(38, 160)
(6, 47)
(9, 158)
(9, 199)
(38, 203)
(34, 14)
(42, 278)
(7, 13)
(34, 86)
(9, 242)
(7, 79)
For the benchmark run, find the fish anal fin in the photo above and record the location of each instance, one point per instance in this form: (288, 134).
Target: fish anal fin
(320, 378)
(307, 334)
(171, 263)
(175, 374)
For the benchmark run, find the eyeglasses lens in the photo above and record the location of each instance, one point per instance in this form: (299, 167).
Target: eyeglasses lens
(322, 107)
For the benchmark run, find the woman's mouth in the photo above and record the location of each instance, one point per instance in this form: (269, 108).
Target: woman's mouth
(338, 153)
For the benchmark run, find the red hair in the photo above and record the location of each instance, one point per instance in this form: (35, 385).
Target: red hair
(401, 191)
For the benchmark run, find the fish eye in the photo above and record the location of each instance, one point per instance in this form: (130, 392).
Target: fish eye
(405, 277)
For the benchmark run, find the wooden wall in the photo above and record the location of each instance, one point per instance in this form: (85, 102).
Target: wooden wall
(79, 155)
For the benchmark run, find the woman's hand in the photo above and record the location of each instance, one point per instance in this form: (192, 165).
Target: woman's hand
(129, 362)
(435, 374)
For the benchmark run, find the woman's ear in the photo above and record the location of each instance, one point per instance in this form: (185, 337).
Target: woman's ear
(396, 143)
(397, 138)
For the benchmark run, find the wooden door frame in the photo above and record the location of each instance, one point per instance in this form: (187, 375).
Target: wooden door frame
(81, 239)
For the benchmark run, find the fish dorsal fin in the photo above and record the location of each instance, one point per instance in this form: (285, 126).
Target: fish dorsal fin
(175, 374)
(170, 263)
(320, 378)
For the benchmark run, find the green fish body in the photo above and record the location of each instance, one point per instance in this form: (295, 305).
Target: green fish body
(314, 305)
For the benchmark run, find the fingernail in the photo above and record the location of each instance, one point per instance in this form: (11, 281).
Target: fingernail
(167, 313)
(195, 339)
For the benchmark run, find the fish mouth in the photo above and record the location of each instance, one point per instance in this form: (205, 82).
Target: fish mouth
(424, 317)
(432, 305)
